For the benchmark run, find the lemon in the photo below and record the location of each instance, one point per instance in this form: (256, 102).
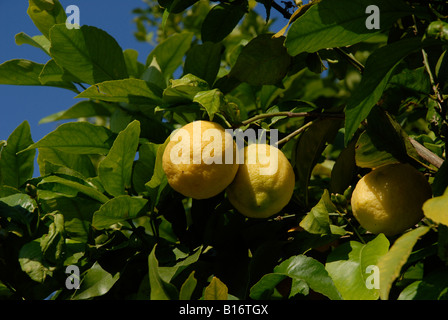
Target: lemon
(263, 184)
(200, 159)
(389, 199)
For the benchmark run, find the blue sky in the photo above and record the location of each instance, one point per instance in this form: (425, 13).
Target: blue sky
(19, 103)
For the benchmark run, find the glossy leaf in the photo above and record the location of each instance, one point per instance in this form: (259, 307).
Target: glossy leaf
(70, 188)
(39, 41)
(16, 169)
(118, 210)
(129, 90)
(96, 283)
(89, 53)
(77, 137)
(436, 209)
(160, 289)
(216, 290)
(115, 170)
(264, 60)
(33, 263)
(83, 109)
(348, 267)
(318, 219)
(306, 273)
(211, 100)
(45, 14)
(169, 53)
(330, 24)
(391, 263)
(204, 61)
(221, 20)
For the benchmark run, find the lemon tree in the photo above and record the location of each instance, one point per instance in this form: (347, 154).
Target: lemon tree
(259, 150)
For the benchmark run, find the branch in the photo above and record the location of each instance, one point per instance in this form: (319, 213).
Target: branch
(282, 10)
(291, 115)
(426, 154)
(295, 133)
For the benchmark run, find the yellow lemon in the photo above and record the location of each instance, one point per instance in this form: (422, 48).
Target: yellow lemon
(199, 160)
(264, 183)
(389, 199)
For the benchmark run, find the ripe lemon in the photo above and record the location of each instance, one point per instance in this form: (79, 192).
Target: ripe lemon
(200, 160)
(389, 199)
(263, 184)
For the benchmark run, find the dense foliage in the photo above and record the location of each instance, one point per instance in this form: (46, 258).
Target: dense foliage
(344, 97)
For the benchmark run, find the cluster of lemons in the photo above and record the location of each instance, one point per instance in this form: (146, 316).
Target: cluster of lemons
(254, 192)
(387, 200)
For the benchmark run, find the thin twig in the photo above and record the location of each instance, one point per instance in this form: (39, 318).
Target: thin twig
(295, 133)
(291, 115)
(351, 59)
(435, 86)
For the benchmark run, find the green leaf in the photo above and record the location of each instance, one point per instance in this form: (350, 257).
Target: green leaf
(135, 68)
(330, 24)
(40, 42)
(83, 109)
(436, 209)
(187, 288)
(158, 181)
(177, 6)
(344, 169)
(96, 282)
(383, 142)
(33, 263)
(144, 166)
(16, 169)
(211, 100)
(160, 289)
(221, 20)
(70, 188)
(45, 14)
(306, 273)
(117, 210)
(20, 72)
(264, 60)
(89, 53)
(204, 61)
(54, 75)
(379, 68)
(169, 53)
(318, 219)
(77, 137)
(184, 90)
(309, 148)
(115, 170)
(216, 290)
(51, 160)
(77, 212)
(391, 263)
(53, 243)
(133, 91)
(348, 263)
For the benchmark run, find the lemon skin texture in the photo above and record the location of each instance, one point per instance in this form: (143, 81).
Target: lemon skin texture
(389, 199)
(264, 183)
(203, 171)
